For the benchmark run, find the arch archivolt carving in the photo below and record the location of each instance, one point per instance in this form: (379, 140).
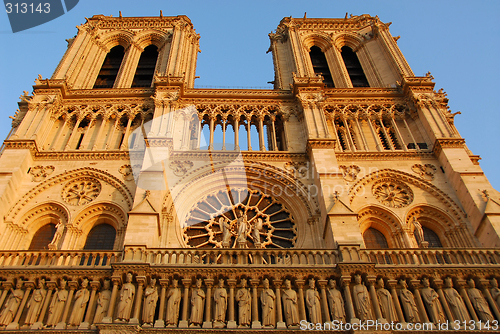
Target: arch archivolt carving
(399, 176)
(386, 222)
(152, 37)
(62, 179)
(323, 41)
(116, 37)
(270, 180)
(350, 39)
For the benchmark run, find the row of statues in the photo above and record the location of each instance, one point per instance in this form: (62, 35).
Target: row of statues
(280, 307)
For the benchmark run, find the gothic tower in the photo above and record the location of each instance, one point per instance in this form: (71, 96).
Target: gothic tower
(128, 196)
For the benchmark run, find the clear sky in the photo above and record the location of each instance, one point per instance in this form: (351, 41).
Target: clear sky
(458, 41)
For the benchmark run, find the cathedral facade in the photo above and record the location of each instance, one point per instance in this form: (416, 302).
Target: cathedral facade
(132, 201)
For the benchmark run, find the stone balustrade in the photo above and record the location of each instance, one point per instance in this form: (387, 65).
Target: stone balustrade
(58, 258)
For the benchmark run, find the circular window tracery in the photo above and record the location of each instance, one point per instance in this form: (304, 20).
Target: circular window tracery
(392, 194)
(81, 192)
(255, 220)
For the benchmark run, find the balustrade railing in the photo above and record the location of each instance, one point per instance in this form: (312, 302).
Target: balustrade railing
(58, 258)
(232, 257)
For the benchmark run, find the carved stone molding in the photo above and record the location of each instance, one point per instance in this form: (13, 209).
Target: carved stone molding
(350, 173)
(424, 171)
(180, 167)
(300, 169)
(39, 173)
(127, 172)
(439, 144)
(327, 143)
(363, 156)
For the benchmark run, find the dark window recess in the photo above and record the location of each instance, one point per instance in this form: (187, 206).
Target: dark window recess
(101, 237)
(354, 68)
(422, 146)
(43, 237)
(146, 68)
(432, 238)
(110, 67)
(411, 146)
(79, 142)
(320, 66)
(374, 239)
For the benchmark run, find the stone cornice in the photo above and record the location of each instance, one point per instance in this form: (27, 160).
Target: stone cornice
(231, 155)
(401, 155)
(441, 143)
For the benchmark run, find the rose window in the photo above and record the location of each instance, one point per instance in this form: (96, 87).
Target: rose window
(392, 194)
(243, 219)
(81, 192)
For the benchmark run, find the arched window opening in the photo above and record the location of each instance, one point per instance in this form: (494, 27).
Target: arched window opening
(229, 136)
(432, 238)
(320, 66)
(280, 134)
(243, 136)
(205, 135)
(354, 69)
(146, 68)
(218, 136)
(43, 237)
(254, 137)
(374, 239)
(110, 67)
(101, 237)
(266, 134)
(341, 134)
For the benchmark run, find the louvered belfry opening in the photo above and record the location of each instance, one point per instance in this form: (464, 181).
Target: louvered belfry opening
(320, 66)
(146, 68)
(110, 67)
(354, 68)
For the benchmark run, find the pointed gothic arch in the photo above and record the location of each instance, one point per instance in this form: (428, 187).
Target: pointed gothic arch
(384, 221)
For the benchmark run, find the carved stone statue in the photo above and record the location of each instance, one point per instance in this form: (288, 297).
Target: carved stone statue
(385, 302)
(12, 304)
(267, 299)
(290, 309)
(242, 229)
(431, 300)
(35, 303)
(220, 298)
(57, 236)
(57, 304)
(244, 300)
(81, 299)
(362, 300)
(149, 306)
(336, 302)
(480, 304)
(495, 291)
(126, 300)
(226, 232)
(256, 232)
(455, 301)
(418, 232)
(197, 303)
(313, 303)
(174, 298)
(103, 299)
(408, 303)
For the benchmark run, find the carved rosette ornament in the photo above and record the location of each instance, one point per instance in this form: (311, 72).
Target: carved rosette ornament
(127, 172)
(255, 220)
(180, 167)
(39, 173)
(425, 171)
(81, 191)
(392, 194)
(350, 173)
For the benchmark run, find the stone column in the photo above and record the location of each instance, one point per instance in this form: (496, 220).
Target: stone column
(231, 323)
(95, 285)
(255, 304)
(6, 288)
(374, 298)
(351, 316)
(280, 324)
(461, 283)
(15, 323)
(111, 310)
(138, 299)
(415, 283)
(72, 287)
(324, 301)
(392, 285)
(262, 145)
(38, 325)
(160, 323)
(209, 282)
(486, 292)
(439, 285)
(302, 306)
(185, 302)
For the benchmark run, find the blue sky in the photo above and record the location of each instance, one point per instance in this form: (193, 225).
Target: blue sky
(458, 41)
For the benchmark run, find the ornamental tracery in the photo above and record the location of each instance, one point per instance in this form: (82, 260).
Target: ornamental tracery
(81, 191)
(243, 218)
(392, 194)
